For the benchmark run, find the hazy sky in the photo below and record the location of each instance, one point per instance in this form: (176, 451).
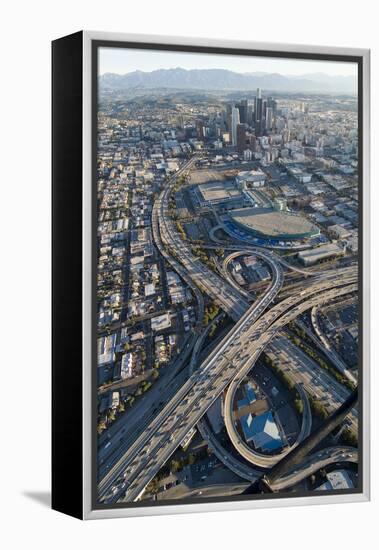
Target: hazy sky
(122, 60)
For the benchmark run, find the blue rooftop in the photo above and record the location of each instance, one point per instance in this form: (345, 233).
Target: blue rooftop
(250, 394)
(242, 403)
(262, 430)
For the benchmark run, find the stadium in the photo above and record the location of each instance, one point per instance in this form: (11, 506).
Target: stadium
(267, 223)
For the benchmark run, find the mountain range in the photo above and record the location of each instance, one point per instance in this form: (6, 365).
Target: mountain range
(221, 79)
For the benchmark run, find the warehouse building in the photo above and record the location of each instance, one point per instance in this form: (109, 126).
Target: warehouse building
(250, 178)
(106, 349)
(337, 480)
(324, 252)
(339, 232)
(262, 431)
(220, 194)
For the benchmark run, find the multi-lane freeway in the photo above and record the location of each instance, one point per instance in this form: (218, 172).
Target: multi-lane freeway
(140, 460)
(314, 462)
(165, 433)
(164, 231)
(119, 437)
(299, 306)
(107, 482)
(319, 383)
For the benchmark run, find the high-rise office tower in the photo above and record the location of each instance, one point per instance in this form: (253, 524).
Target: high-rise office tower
(258, 113)
(235, 122)
(228, 117)
(264, 107)
(200, 129)
(272, 104)
(180, 121)
(269, 118)
(250, 113)
(241, 137)
(242, 107)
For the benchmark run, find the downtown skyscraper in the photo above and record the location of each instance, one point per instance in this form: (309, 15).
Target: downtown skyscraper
(235, 122)
(258, 113)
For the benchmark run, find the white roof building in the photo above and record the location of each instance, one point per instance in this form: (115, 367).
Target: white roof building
(161, 322)
(149, 289)
(339, 479)
(127, 366)
(115, 399)
(105, 349)
(256, 178)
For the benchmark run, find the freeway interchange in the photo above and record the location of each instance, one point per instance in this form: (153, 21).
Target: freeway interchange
(138, 459)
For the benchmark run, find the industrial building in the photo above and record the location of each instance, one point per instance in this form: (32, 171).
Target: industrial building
(262, 431)
(299, 174)
(250, 178)
(339, 232)
(336, 480)
(106, 349)
(324, 252)
(220, 194)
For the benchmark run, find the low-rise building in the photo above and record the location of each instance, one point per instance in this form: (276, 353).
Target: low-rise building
(323, 252)
(262, 431)
(250, 178)
(105, 349)
(299, 174)
(339, 232)
(339, 479)
(161, 322)
(221, 194)
(126, 366)
(115, 399)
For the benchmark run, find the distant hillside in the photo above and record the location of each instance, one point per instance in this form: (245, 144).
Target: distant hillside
(216, 79)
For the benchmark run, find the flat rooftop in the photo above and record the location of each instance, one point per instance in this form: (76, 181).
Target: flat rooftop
(320, 251)
(218, 191)
(273, 223)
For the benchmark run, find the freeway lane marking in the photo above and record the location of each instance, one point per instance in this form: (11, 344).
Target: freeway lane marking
(269, 321)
